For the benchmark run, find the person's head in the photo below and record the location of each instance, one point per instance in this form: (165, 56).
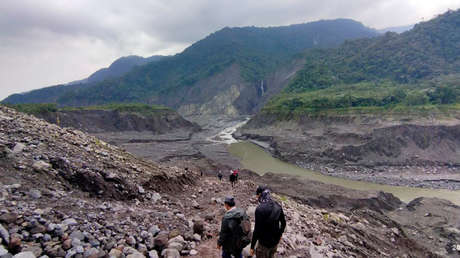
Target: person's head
(260, 190)
(229, 202)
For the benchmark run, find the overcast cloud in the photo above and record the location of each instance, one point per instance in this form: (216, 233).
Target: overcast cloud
(49, 42)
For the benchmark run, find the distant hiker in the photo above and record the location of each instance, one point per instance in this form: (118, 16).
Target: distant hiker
(219, 175)
(269, 227)
(235, 230)
(232, 178)
(201, 172)
(236, 172)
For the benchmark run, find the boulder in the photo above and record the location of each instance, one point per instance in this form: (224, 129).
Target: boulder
(3, 251)
(70, 222)
(77, 234)
(4, 234)
(176, 245)
(161, 240)
(25, 255)
(115, 253)
(170, 253)
(9, 217)
(41, 166)
(35, 194)
(153, 254)
(18, 148)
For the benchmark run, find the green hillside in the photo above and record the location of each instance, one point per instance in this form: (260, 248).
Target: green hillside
(420, 67)
(257, 52)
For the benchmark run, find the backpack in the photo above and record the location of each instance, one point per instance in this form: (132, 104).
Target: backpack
(244, 233)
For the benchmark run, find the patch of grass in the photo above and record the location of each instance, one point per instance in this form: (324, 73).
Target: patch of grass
(139, 108)
(34, 108)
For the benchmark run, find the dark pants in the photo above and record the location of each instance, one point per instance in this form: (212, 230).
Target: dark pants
(265, 252)
(229, 255)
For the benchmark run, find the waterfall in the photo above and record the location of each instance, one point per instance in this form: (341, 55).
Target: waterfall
(262, 90)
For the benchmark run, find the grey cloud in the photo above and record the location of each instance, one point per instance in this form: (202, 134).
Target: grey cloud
(54, 41)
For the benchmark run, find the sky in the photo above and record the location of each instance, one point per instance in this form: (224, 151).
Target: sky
(51, 42)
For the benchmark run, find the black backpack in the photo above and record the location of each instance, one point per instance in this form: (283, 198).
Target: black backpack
(243, 233)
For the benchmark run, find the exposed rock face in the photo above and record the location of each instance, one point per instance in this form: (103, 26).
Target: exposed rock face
(228, 94)
(73, 158)
(102, 121)
(365, 144)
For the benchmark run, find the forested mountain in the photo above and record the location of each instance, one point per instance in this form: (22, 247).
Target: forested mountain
(253, 52)
(116, 70)
(416, 68)
(121, 66)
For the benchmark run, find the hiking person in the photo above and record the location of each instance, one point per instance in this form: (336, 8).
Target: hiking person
(234, 231)
(232, 177)
(269, 225)
(219, 175)
(236, 172)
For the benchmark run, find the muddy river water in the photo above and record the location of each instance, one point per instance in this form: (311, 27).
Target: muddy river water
(258, 160)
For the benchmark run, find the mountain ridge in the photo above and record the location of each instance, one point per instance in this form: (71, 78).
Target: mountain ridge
(257, 53)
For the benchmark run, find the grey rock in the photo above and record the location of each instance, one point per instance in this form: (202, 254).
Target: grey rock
(142, 248)
(129, 250)
(170, 253)
(154, 230)
(70, 253)
(25, 255)
(38, 229)
(3, 251)
(140, 189)
(176, 245)
(91, 252)
(41, 166)
(153, 254)
(196, 237)
(195, 204)
(94, 242)
(131, 241)
(18, 148)
(135, 255)
(193, 252)
(34, 193)
(35, 249)
(161, 240)
(4, 234)
(8, 217)
(76, 242)
(144, 234)
(155, 197)
(77, 234)
(115, 253)
(177, 239)
(70, 222)
(47, 237)
(79, 249)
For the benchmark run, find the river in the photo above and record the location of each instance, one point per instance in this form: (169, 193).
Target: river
(255, 158)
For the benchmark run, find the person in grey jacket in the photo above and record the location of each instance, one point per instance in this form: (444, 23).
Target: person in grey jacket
(229, 232)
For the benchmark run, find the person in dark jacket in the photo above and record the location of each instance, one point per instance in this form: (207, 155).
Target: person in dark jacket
(228, 235)
(269, 225)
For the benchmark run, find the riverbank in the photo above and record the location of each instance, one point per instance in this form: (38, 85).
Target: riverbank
(385, 150)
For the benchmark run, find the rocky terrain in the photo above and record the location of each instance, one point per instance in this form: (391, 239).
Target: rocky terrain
(96, 120)
(387, 149)
(68, 194)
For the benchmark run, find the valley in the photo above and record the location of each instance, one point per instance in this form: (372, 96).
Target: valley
(357, 133)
